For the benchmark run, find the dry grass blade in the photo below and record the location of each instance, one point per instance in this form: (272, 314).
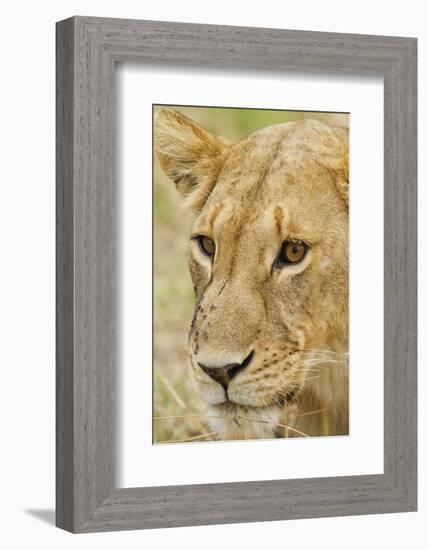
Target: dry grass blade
(308, 413)
(247, 418)
(295, 430)
(171, 390)
(286, 421)
(187, 439)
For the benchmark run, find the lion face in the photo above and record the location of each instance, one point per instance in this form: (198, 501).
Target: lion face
(268, 255)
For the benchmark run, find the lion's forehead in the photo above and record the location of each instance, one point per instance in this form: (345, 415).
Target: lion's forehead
(271, 210)
(278, 146)
(265, 180)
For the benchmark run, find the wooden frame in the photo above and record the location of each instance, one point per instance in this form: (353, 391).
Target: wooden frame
(87, 50)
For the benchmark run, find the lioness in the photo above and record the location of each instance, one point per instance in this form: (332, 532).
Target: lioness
(268, 255)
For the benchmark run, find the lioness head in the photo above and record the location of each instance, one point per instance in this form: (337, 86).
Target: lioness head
(268, 255)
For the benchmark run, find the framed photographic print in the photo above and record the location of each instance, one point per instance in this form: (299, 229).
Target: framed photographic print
(236, 274)
(248, 324)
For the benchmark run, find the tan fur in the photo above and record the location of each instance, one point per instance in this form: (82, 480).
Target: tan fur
(285, 182)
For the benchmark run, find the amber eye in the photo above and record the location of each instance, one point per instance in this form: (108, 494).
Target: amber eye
(292, 252)
(206, 245)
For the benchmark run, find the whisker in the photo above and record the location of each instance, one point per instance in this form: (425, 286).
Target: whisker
(309, 369)
(324, 361)
(344, 353)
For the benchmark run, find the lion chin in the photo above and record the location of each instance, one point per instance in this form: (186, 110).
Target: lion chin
(230, 421)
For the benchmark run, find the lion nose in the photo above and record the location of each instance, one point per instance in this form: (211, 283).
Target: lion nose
(223, 374)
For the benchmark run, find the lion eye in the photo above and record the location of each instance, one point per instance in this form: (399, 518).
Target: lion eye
(292, 252)
(206, 245)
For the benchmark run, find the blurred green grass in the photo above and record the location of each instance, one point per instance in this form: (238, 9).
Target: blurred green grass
(174, 396)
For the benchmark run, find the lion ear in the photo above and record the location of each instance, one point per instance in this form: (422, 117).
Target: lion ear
(189, 155)
(341, 167)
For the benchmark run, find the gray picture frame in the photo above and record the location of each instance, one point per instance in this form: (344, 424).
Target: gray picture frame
(87, 51)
